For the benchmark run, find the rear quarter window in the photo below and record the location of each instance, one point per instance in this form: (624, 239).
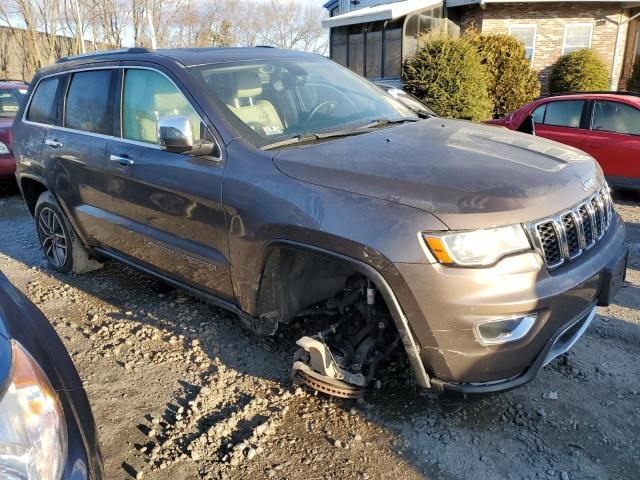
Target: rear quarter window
(43, 107)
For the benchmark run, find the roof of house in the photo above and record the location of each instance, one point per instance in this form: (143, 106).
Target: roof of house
(374, 13)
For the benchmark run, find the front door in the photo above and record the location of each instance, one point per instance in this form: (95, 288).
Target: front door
(562, 121)
(169, 205)
(614, 141)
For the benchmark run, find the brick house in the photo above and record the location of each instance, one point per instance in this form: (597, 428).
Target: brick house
(372, 37)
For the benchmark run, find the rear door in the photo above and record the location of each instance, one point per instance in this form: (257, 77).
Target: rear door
(76, 152)
(170, 205)
(614, 140)
(562, 121)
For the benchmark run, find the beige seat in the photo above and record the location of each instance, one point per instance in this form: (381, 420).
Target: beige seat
(260, 115)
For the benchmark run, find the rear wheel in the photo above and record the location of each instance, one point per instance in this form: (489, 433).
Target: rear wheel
(62, 249)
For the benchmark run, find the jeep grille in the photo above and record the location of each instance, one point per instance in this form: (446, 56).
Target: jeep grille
(569, 234)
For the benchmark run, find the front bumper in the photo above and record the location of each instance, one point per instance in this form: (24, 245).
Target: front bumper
(443, 305)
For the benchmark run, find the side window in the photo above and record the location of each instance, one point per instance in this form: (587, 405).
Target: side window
(149, 96)
(615, 117)
(43, 106)
(565, 113)
(538, 113)
(89, 106)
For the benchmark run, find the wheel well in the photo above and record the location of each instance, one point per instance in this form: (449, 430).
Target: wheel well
(293, 280)
(31, 191)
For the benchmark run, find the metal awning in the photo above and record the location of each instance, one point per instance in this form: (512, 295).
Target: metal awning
(375, 13)
(459, 3)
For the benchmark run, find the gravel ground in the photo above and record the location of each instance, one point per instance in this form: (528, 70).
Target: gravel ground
(181, 391)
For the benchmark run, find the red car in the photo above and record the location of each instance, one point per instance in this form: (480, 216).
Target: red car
(605, 125)
(11, 97)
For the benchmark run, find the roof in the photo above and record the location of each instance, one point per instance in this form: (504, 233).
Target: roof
(186, 57)
(459, 3)
(625, 97)
(374, 13)
(12, 84)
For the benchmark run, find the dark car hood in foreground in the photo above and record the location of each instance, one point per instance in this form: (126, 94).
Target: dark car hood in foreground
(20, 320)
(468, 175)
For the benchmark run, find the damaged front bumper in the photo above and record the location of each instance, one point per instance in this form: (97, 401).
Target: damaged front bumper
(443, 307)
(560, 343)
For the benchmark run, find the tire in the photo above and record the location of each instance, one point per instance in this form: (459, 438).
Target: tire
(61, 247)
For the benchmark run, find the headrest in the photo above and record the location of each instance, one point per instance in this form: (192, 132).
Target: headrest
(248, 84)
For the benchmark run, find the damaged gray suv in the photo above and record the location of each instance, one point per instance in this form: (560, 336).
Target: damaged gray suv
(283, 187)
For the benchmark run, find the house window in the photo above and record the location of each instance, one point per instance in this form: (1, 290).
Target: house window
(373, 50)
(334, 11)
(576, 37)
(527, 35)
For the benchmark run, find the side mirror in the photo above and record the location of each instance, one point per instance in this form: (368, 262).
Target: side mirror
(175, 134)
(528, 126)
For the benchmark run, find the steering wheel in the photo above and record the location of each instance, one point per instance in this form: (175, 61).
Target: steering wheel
(320, 106)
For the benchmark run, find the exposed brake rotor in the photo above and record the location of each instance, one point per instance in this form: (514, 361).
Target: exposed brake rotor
(330, 386)
(315, 366)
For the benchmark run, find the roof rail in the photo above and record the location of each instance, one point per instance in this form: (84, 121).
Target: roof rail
(263, 46)
(596, 92)
(103, 54)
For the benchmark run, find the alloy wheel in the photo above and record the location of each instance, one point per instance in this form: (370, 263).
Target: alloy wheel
(52, 237)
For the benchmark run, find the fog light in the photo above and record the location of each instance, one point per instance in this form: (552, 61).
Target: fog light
(505, 330)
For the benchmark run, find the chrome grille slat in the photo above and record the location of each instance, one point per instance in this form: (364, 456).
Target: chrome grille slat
(568, 235)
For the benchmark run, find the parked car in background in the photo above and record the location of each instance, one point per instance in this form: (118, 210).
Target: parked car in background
(286, 188)
(47, 430)
(605, 125)
(12, 94)
(408, 100)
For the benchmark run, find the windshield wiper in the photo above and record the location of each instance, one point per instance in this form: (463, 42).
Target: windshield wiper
(313, 137)
(383, 122)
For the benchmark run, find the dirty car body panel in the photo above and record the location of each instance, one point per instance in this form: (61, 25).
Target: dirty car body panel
(351, 182)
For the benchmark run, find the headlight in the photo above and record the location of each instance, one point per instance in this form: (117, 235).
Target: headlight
(33, 434)
(478, 247)
(4, 149)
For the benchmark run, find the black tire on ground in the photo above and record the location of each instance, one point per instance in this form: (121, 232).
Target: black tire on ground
(62, 249)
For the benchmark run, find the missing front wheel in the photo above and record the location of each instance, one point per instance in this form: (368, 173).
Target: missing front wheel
(342, 360)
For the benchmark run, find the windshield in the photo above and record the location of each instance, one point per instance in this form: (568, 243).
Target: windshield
(273, 100)
(10, 101)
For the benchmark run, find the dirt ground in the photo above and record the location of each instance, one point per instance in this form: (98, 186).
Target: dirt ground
(181, 391)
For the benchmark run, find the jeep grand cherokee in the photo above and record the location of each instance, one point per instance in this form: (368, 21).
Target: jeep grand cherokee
(283, 187)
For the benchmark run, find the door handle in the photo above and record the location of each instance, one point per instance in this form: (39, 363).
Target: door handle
(121, 160)
(53, 143)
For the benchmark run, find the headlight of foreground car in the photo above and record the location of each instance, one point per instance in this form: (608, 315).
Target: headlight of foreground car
(4, 149)
(33, 434)
(477, 248)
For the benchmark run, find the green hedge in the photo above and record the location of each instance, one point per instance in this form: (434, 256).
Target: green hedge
(579, 71)
(511, 80)
(448, 76)
(633, 84)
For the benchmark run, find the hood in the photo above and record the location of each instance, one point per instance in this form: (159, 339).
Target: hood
(468, 175)
(20, 320)
(6, 355)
